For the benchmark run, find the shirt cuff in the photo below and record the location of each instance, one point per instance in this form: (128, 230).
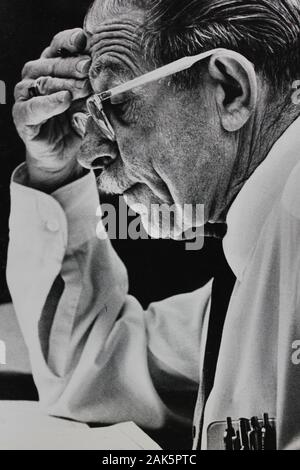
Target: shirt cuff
(71, 210)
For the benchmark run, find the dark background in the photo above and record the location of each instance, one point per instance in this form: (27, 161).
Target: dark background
(157, 269)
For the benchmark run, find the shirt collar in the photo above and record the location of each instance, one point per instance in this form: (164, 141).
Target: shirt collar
(255, 201)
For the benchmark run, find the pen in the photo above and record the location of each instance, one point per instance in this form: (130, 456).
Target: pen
(229, 435)
(237, 441)
(255, 435)
(268, 434)
(244, 430)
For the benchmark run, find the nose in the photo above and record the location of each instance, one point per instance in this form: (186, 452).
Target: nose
(97, 157)
(96, 152)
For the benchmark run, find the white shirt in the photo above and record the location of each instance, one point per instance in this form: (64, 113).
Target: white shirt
(98, 357)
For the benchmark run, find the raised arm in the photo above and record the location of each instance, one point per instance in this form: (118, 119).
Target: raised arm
(96, 355)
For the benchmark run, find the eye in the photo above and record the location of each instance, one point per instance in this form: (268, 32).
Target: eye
(120, 106)
(122, 110)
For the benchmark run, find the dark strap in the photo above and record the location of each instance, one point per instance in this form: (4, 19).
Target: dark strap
(222, 289)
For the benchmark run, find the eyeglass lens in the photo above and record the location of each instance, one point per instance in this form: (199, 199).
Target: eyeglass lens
(101, 120)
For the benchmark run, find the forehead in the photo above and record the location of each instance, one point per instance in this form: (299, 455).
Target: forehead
(113, 35)
(104, 10)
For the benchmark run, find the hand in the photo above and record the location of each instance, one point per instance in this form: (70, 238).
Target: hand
(45, 122)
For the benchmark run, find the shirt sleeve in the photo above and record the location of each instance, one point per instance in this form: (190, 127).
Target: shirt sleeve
(96, 355)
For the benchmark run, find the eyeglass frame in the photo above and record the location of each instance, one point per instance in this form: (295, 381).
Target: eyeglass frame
(158, 74)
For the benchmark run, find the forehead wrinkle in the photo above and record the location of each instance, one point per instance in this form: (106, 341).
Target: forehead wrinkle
(116, 29)
(130, 17)
(114, 40)
(120, 47)
(119, 51)
(116, 24)
(114, 33)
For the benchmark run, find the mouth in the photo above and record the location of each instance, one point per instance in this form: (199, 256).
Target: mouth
(112, 181)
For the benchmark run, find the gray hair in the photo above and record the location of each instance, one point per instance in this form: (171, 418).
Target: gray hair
(267, 32)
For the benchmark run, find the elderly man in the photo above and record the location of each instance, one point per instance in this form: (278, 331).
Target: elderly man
(223, 133)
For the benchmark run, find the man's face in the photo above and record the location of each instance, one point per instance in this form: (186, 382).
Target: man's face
(170, 147)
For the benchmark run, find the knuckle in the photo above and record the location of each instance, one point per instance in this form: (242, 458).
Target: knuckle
(46, 52)
(74, 31)
(46, 67)
(25, 69)
(29, 68)
(57, 37)
(29, 110)
(66, 84)
(56, 67)
(44, 84)
(18, 89)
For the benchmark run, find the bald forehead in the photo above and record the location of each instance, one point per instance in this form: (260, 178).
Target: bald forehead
(102, 11)
(113, 38)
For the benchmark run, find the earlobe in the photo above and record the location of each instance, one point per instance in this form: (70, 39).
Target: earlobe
(235, 84)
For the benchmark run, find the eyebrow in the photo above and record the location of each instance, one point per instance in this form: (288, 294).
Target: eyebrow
(109, 66)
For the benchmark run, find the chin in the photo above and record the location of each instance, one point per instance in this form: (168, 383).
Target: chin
(160, 228)
(164, 220)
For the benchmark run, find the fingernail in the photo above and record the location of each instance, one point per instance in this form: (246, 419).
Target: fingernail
(80, 84)
(84, 65)
(74, 37)
(61, 96)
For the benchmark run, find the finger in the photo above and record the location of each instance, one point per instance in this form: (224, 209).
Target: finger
(73, 40)
(48, 85)
(71, 67)
(78, 88)
(38, 110)
(46, 53)
(22, 90)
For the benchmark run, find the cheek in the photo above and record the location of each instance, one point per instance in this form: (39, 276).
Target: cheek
(138, 139)
(138, 150)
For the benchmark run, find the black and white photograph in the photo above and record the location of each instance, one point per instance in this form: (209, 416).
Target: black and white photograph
(150, 228)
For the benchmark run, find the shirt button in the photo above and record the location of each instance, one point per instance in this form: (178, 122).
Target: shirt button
(52, 226)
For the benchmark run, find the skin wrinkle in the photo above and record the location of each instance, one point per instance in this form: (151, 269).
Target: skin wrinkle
(126, 45)
(131, 24)
(116, 39)
(113, 34)
(122, 37)
(113, 29)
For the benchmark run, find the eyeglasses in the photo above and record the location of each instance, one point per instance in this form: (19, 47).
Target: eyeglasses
(95, 102)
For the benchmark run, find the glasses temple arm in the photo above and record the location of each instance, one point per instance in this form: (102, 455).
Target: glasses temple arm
(162, 72)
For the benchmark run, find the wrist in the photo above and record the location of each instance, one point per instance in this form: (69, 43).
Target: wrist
(49, 181)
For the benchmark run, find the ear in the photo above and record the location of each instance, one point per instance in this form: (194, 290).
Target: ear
(235, 88)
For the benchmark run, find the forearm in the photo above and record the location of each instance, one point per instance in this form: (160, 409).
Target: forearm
(70, 294)
(96, 355)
